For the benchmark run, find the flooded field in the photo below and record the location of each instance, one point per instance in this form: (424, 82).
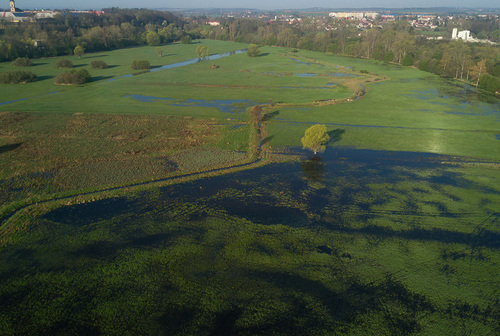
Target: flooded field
(351, 242)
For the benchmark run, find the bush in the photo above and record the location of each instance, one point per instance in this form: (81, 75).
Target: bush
(64, 63)
(73, 77)
(253, 50)
(22, 62)
(17, 76)
(140, 65)
(489, 83)
(98, 64)
(186, 39)
(363, 71)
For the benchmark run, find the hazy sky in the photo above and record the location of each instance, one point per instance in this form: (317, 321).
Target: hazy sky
(260, 4)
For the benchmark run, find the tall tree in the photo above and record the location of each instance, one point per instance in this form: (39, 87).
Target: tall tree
(315, 138)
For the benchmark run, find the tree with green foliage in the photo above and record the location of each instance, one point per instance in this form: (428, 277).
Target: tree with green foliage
(202, 52)
(153, 39)
(315, 138)
(253, 50)
(79, 51)
(477, 71)
(489, 83)
(159, 51)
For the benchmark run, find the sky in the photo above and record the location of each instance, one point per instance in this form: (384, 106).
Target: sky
(258, 4)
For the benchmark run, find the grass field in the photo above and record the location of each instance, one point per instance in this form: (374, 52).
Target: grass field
(394, 230)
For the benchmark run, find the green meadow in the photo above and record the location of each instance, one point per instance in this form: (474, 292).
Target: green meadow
(108, 225)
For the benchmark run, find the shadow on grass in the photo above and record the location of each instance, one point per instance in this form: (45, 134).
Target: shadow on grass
(263, 54)
(270, 116)
(484, 238)
(79, 65)
(41, 78)
(335, 136)
(37, 64)
(8, 148)
(100, 78)
(267, 139)
(94, 56)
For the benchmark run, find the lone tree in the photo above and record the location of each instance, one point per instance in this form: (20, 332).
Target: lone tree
(79, 51)
(253, 50)
(159, 51)
(315, 138)
(202, 52)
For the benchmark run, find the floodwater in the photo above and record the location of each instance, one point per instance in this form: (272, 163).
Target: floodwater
(347, 237)
(232, 106)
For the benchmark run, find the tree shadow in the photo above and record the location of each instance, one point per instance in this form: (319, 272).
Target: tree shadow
(267, 139)
(314, 169)
(271, 115)
(95, 56)
(37, 64)
(263, 54)
(41, 78)
(79, 65)
(100, 78)
(335, 136)
(8, 148)
(110, 67)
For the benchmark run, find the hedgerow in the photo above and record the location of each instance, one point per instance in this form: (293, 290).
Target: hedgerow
(17, 76)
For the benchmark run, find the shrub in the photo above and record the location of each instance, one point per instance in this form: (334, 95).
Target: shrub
(98, 64)
(64, 63)
(73, 77)
(364, 71)
(489, 83)
(140, 65)
(17, 76)
(22, 62)
(186, 39)
(253, 50)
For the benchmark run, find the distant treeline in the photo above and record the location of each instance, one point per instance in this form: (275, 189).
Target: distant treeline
(398, 42)
(115, 28)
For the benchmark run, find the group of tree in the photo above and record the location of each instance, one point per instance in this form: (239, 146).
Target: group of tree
(397, 43)
(67, 34)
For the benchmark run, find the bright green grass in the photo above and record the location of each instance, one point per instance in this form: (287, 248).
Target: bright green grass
(412, 110)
